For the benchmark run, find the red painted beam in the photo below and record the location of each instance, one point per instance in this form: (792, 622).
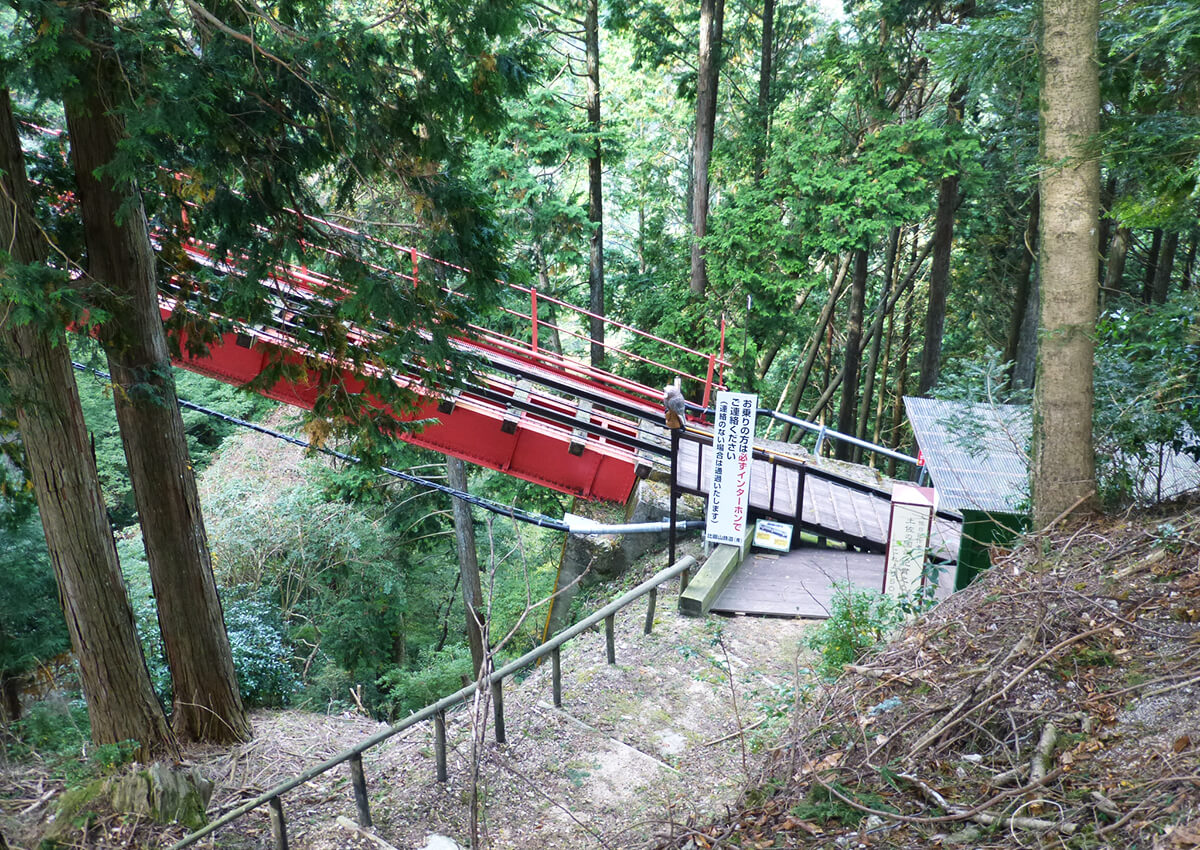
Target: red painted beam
(536, 452)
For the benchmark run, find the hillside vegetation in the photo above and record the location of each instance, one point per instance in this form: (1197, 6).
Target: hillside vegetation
(1054, 703)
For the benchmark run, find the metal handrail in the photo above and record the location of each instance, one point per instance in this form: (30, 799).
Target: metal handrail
(823, 433)
(436, 710)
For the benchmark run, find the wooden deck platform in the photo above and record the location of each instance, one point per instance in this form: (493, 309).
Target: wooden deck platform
(833, 508)
(800, 583)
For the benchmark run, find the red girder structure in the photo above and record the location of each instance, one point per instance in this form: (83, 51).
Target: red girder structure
(533, 414)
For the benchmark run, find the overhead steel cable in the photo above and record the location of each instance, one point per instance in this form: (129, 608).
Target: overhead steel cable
(486, 504)
(577, 525)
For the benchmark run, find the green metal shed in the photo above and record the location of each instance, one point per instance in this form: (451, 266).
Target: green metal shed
(977, 456)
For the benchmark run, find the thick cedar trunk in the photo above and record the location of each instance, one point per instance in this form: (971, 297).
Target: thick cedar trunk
(849, 408)
(1166, 265)
(1114, 269)
(468, 562)
(1064, 470)
(1151, 264)
(764, 86)
(1024, 278)
(868, 393)
(712, 13)
(207, 704)
(121, 701)
(595, 194)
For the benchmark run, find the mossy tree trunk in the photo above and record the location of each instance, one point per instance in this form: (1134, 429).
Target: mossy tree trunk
(62, 468)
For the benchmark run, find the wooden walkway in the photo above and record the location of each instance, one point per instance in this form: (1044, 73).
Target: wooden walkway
(835, 507)
(800, 583)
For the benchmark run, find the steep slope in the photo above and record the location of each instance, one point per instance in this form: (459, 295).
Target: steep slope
(1055, 703)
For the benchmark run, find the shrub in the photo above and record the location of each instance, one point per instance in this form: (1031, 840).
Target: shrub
(858, 620)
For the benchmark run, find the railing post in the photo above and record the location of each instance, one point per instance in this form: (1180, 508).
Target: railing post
(721, 354)
(556, 675)
(533, 315)
(416, 270)
(610, 638)
(439, 744)
(820, 441)
(498, 704)
(675, 491)
(708, 379)
(278, 823)
(652, 599)
(359, 779)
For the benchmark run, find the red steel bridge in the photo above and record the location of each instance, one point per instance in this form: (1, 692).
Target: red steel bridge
(528, 412)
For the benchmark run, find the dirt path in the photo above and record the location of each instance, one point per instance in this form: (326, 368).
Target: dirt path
(639, 748)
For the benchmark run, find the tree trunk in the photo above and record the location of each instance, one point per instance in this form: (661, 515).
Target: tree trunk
(901, 384)
(847, 413)
(1025, 292)
(1164, 267)
(207, 703)
(62, 469)
(595, 193)
(468, 562)
(1114, 269)
(551, 330)
(712, 16)
(1189, 264)
(939, 269)
(1064, 470)
(764, 87)
(1107, 195)
(1025, 364)
(1151, 265)
(836, 289)
(868, 393)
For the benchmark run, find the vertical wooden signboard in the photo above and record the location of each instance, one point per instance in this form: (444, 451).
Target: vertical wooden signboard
(908, 539)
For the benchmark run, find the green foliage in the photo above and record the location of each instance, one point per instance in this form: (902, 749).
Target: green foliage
(823, 807)
(858, 620)
(443, 672)
(57, 733)
(204, 433)
(1147, 401)
(31, 622)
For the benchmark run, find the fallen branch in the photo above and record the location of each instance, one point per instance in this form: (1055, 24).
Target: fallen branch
(1040, 763)
(345, 823)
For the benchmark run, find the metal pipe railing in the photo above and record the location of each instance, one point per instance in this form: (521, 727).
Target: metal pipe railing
(436, 710)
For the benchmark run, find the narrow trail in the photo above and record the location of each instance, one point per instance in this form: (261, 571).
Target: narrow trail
(639, 749)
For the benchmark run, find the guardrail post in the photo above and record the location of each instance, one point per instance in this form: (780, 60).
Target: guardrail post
(359, 779)
(652, 599)
(610, 638)
(498, 704)
(712, 364)
(556, 675)
(533, 315)
(278, 823)
(439, 744)
(820, 441)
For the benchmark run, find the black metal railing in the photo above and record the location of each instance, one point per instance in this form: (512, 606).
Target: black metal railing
(273, 798)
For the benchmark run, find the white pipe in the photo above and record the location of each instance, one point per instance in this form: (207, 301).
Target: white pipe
(582, 525)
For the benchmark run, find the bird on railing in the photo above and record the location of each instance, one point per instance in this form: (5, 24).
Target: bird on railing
(675, 406)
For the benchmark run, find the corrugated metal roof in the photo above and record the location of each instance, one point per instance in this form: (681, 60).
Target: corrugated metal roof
(977, 454)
